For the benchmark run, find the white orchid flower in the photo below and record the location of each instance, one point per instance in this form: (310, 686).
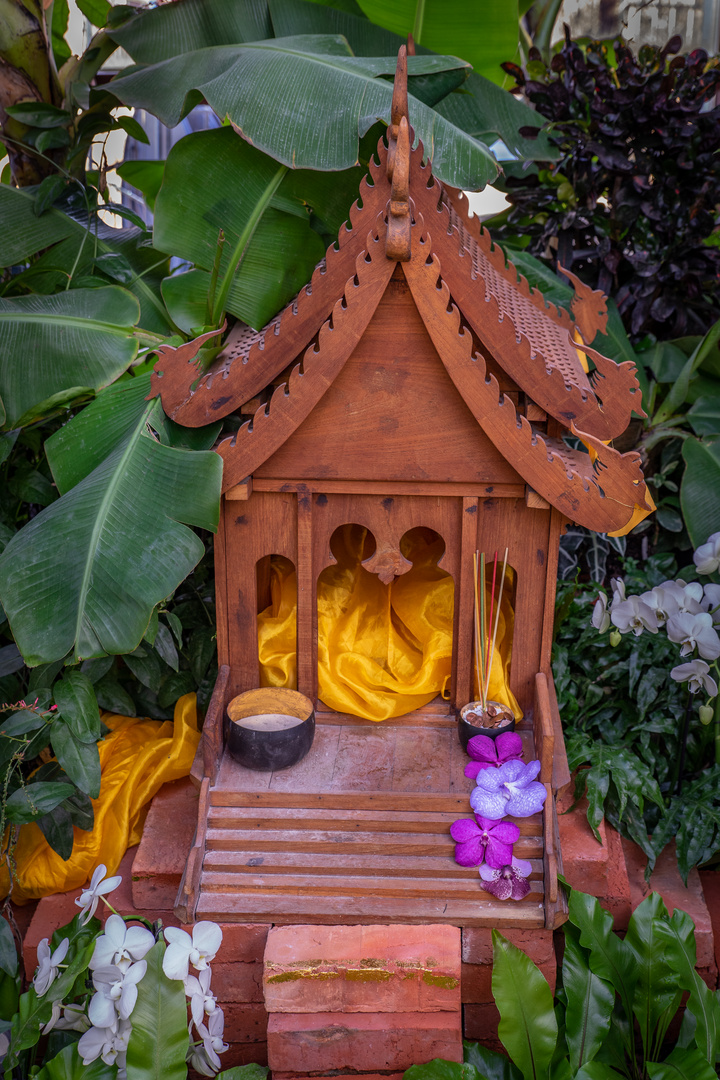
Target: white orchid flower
(697, 675)
(121, 945)
(48, 964)
(707, 556)
(202, 1000)
(110, 1044)
(633, 614)
(694, 632)
(99, 886)
(600, 615)
(212, 1036)
(66, 1018)
(116, 991)
(183, 950)
(618, 589)
(198, 1060)
(711, 602)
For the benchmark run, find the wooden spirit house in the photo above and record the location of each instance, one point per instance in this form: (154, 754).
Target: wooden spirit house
(416, 383)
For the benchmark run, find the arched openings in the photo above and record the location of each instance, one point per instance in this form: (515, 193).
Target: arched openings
(385, 623)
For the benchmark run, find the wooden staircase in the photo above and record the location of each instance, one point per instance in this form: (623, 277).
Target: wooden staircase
(359, 832)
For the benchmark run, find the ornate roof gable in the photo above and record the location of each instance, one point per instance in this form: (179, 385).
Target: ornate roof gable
(468, 294)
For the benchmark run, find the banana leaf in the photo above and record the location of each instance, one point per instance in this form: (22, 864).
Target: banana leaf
(56, 348)
(84, 575)
(267, 255)
(305, 101)
(485, 34)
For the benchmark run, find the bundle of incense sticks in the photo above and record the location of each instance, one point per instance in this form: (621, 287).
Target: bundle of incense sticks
(485, 629)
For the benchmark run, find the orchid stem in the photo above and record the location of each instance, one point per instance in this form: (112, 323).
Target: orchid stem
(683, 744)
(717, 730)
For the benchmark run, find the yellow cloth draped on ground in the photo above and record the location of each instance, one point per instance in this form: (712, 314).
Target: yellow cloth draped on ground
(136, 759)
(383, 650)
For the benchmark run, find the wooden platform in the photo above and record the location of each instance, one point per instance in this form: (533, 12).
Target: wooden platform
(359, 832)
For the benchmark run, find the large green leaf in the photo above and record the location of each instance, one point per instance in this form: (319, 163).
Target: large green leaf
(610, 959)
(84, 575)
(682, 1065)
(438, 1069)
(656, 990)
(72, 245)
(590, 1003)
(306, 101)
(485, 34)
(678, 935)
(23, 233)
(68, 1065)
(81, 761)
(267, 255)
(165, 32)
(75, 698)
(528, 1028)
(32, 800)
(159, 1040)
(489, 1064)
(59, 345)
(700, 491)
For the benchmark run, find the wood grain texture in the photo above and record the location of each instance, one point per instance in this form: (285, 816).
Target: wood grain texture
(212, 732)
(392, 414)
(269, 428)
(359, 828)
(543, 729)
(566, 478)
(190, 883)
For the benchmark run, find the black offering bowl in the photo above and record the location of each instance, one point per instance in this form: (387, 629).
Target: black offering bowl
(269, 729)
(466, 730)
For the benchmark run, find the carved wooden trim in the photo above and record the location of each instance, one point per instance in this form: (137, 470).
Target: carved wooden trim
(292, 401)
(566, 478)
(530, 338)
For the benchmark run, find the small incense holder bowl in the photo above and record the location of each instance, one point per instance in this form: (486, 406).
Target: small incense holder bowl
(498, 718)
(269, 729)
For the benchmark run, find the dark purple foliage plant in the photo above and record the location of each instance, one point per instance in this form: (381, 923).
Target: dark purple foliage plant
(631, 204)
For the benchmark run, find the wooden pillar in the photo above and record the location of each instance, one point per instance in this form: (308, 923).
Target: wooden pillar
(306, 599)
(462, 689)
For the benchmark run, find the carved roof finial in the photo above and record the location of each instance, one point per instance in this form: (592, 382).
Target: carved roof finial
(397, 244)
(398, 109)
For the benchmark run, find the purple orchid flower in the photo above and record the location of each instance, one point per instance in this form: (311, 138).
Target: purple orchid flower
(509, 789)
(483, 840)
(490, 753)
(509, 881)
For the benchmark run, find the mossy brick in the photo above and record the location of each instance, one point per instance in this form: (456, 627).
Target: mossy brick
(167, 838)
(244, 1022)
(238, 981)
(362, 1042)
(368, 969)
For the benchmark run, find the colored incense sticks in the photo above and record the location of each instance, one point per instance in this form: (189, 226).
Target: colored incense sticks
(487, 622)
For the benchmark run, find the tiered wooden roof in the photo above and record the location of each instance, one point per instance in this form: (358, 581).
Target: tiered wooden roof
(476, 308)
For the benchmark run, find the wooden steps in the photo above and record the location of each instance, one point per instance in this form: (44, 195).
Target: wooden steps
(357, 832)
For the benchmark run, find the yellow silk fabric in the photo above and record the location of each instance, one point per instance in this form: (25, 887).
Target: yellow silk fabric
(136, 759)
(383, 650)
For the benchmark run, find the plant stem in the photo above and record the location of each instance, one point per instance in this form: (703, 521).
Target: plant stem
(717, 730)
(214, 277)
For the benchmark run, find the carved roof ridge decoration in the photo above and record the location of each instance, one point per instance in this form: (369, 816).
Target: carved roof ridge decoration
(551, 373)
(251, 358)
(293, 400)
(603, 496)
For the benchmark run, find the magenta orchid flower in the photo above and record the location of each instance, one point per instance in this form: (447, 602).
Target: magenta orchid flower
(483, 840)
(509, 789)
(490, 753)
(509, 881)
